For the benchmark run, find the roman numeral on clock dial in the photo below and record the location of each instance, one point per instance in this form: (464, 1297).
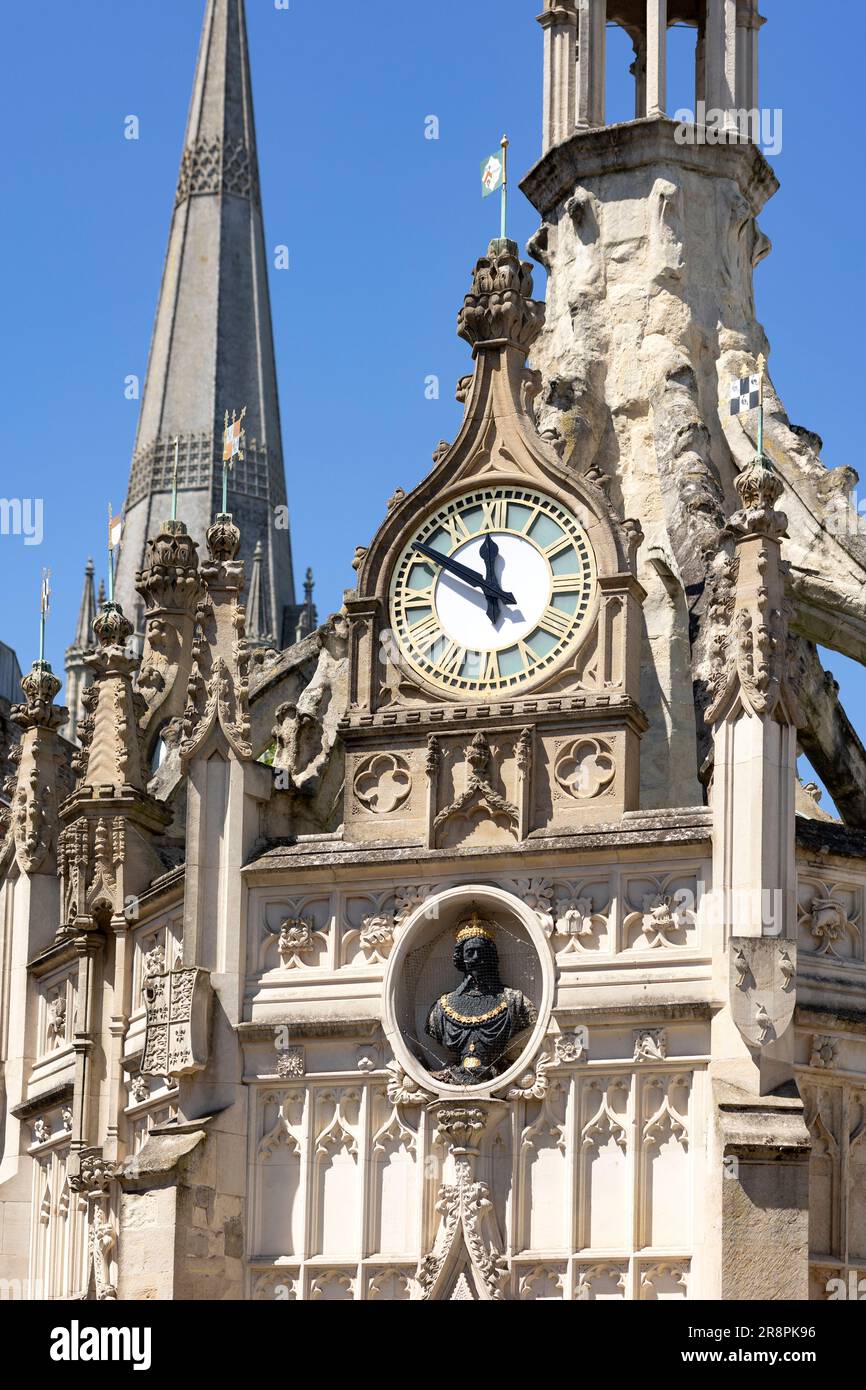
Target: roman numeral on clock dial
(557, 623)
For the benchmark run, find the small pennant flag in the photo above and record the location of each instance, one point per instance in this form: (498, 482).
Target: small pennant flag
(745, 394)
(46, 592)
(492, 173)
(233, 437)
(115, 529)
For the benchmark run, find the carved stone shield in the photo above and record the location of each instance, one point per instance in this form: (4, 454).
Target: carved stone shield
(763, 986)
(177, 1006)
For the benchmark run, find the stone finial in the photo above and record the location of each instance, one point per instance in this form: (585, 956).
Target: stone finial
(499, 308)
(40, 685)
(110, 755)
(34, 795)
(223, 539)
(169, 578)
(112, 627)
(759, 488)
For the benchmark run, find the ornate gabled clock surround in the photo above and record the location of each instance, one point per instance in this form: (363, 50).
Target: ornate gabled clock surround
(557, 702)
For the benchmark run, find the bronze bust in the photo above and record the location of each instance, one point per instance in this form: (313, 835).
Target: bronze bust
(478, 1020)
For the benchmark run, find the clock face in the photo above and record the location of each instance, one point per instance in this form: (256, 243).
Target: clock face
(492, 590)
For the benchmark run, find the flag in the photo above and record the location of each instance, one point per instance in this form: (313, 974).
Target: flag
(115, 529)
(745, 394)
(46, 592)
(232, 437)
(492, 173)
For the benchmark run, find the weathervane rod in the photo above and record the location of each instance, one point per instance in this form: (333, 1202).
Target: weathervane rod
(174, 479)
(44, 597)
(504, 144)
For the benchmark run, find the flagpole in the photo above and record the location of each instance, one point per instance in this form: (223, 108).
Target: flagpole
(504, 144)
(762, 364)
(174, 479)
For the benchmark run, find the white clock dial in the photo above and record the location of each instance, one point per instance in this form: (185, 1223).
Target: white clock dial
(493, 589)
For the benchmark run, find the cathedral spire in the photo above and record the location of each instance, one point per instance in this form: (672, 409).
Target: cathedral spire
(212, 347)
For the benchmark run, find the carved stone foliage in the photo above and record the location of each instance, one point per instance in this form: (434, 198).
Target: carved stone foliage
(467, 1230)
(382, 783)
(763, 986)
(296, 932)
(177, 1006)
(374, 921)
(572, 914)
(830, 919)
(500, 305)
(584, 768)
(824, 1054)
(660, 913)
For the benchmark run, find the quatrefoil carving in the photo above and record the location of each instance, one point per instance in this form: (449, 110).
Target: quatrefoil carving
(382, 783)
(584, 768)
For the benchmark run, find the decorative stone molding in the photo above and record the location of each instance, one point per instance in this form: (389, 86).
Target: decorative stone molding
(571, 1047)
(218, 166)
(829, 925)
(537, 893)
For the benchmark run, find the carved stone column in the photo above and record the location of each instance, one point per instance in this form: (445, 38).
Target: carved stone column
(656, 57)
(559, 22)
(721, 56)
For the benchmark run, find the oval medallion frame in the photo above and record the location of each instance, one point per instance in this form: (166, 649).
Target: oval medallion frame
(421, 928)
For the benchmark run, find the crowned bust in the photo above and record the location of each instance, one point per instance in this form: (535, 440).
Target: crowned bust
(478, 1020)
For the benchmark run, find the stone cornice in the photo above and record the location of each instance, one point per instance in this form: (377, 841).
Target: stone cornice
(581, 710)
(641, 144)
(322, 857)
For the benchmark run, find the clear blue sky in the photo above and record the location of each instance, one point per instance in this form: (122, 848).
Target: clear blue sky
(383, 227)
